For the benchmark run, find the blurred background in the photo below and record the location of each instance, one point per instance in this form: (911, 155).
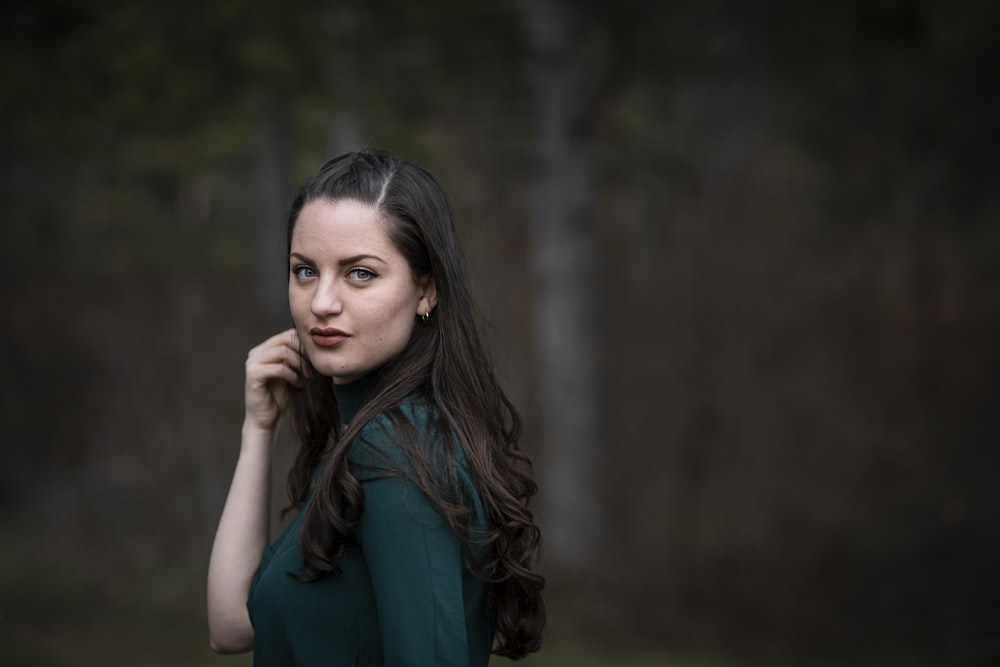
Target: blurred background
(738, 263)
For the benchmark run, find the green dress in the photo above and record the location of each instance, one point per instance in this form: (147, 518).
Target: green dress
(405, 594)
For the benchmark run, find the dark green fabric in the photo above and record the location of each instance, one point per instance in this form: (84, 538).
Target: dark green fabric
(405, 595)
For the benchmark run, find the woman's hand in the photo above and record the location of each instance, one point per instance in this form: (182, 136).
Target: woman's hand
(272, 368)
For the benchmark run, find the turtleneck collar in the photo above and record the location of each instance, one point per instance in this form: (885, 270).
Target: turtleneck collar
(351, 397)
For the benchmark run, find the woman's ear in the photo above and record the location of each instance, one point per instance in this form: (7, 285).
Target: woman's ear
(428, 297)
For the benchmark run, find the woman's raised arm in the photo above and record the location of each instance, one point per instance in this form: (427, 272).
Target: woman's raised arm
(243, 529)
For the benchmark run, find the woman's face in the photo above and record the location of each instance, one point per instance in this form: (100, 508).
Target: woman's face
(353, 297)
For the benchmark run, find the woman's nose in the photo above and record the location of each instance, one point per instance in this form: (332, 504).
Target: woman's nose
(326, 300)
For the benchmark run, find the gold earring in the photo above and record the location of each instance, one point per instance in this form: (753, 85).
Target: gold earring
(425, 317)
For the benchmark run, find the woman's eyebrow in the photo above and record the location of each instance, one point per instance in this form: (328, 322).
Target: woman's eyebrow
(354, 259)
(360, 258)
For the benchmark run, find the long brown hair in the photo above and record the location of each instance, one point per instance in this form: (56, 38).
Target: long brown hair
(446, 364)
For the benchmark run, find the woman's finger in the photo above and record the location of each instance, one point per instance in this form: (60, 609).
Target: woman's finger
(266, 373)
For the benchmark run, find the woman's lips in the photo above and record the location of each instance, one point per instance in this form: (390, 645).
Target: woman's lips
(327, 337)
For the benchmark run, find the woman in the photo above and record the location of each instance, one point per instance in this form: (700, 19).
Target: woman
(412, 543)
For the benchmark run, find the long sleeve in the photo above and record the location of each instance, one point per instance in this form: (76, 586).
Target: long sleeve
(416, 572)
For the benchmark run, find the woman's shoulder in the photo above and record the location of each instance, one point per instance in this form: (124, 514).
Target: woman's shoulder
(414, 415)
(379, 444)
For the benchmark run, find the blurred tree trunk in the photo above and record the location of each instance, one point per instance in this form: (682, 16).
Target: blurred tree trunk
(726, 129)
(274, 192)
(346, 131)
(568, 303)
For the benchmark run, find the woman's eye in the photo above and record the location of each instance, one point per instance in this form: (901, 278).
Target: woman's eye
(302, 272)
(362, 274)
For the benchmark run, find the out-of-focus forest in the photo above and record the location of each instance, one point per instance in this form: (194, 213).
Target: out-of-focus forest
(739, 263)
